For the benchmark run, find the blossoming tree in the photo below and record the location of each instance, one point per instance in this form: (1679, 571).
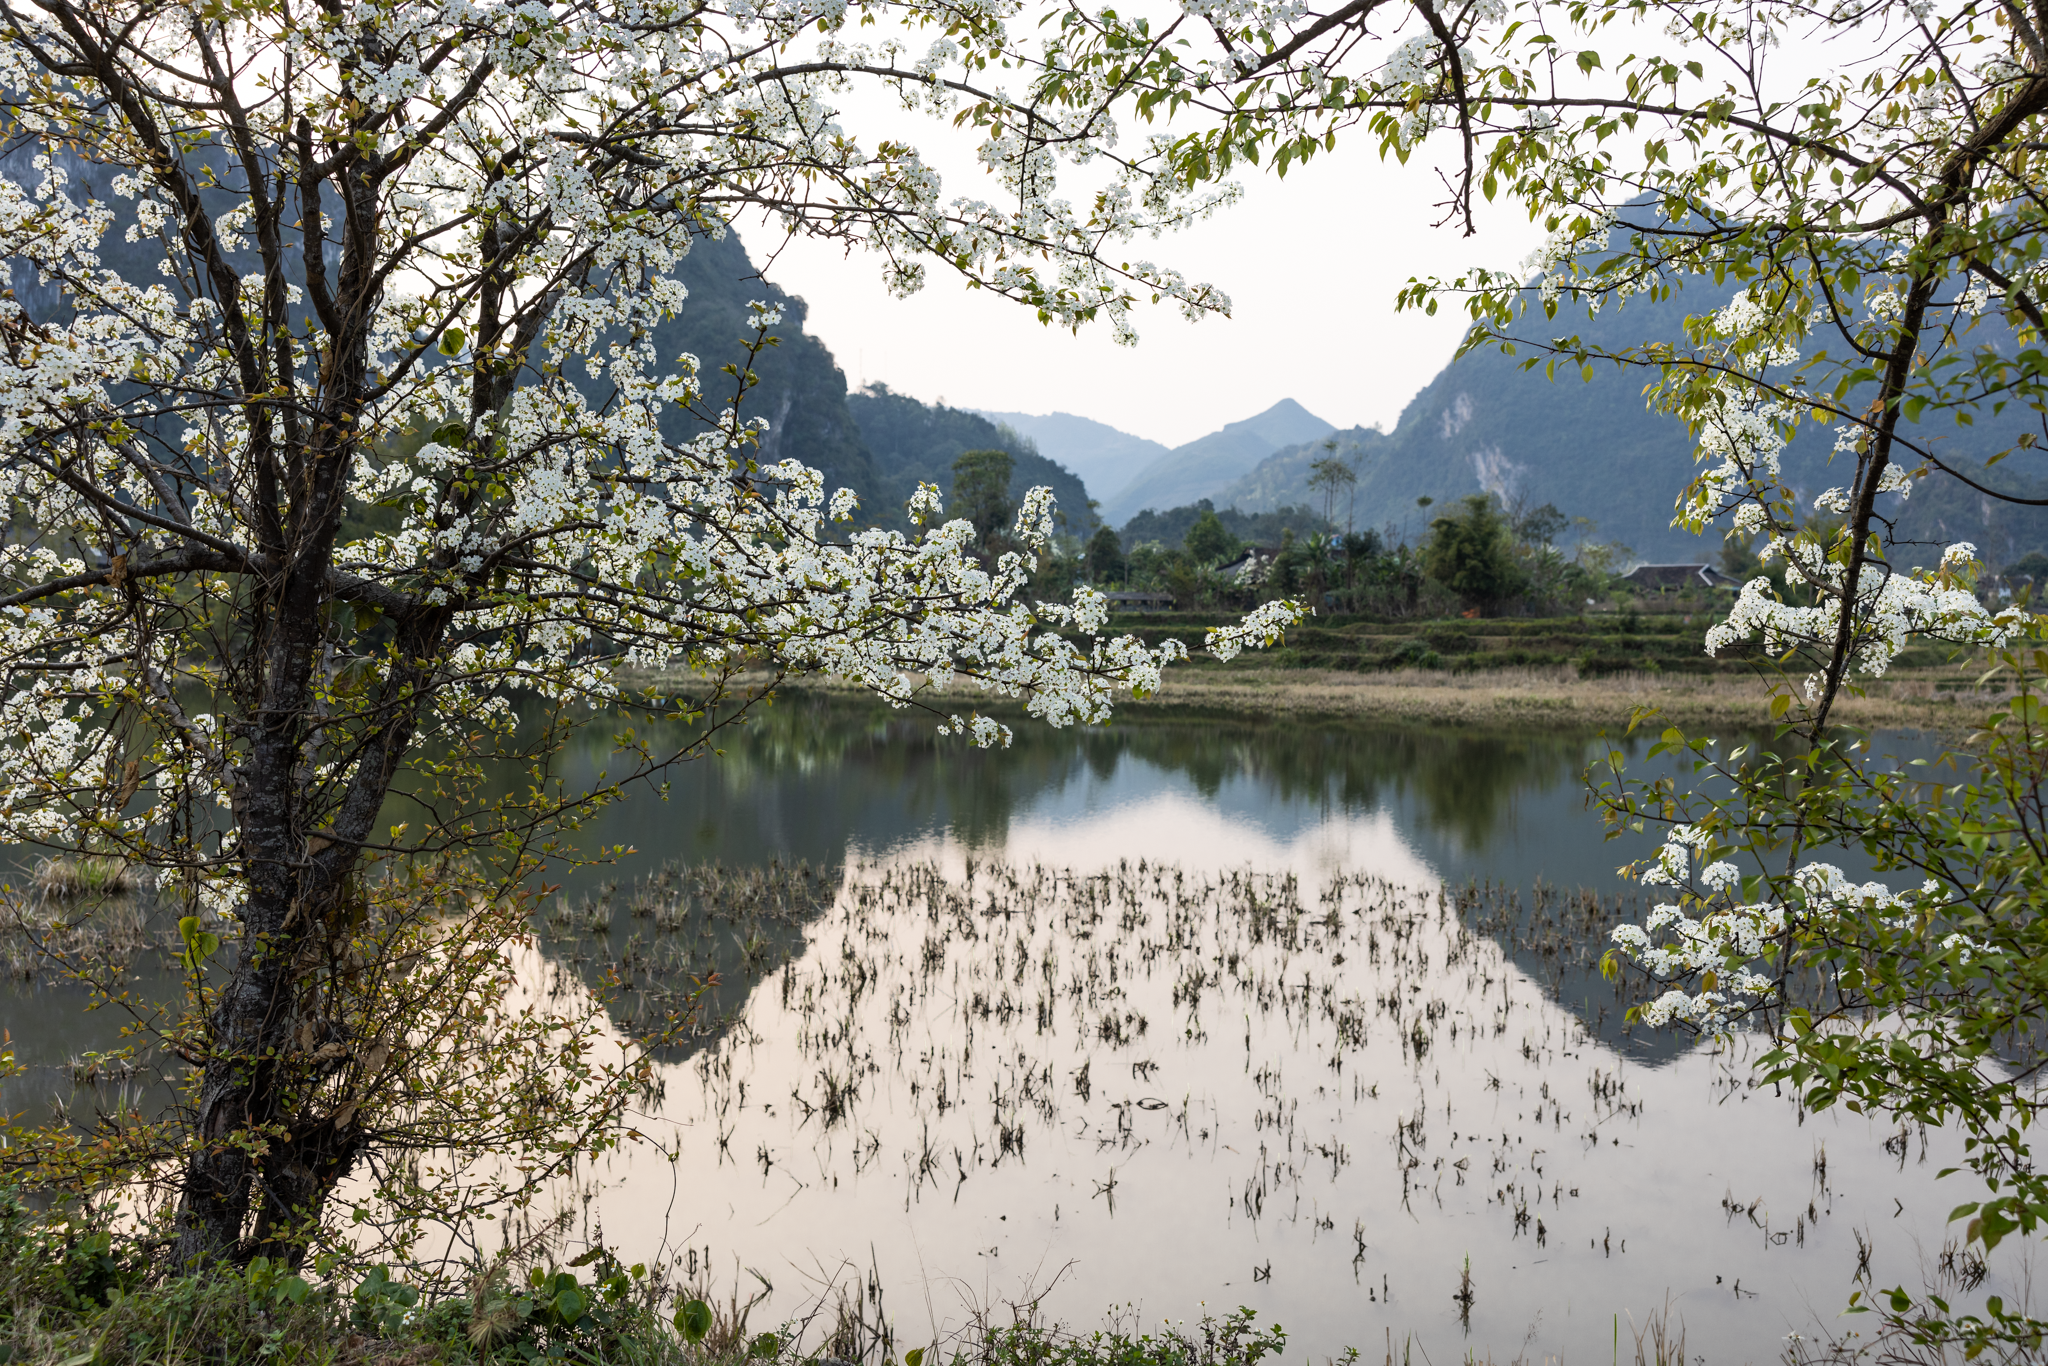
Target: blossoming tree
(371, 450)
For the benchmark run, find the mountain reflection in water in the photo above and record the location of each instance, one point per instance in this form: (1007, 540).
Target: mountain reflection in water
(1172, 1013)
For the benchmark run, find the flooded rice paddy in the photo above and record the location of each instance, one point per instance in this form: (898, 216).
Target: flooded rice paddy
(1177, 1017)
(988, 1082)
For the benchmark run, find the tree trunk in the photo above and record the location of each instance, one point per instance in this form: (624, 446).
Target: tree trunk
(265, 1156)
(243, 1085)
(247, 1138)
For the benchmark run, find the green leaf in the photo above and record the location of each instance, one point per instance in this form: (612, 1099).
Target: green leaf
(199, 942)
(693, 1320)
(452, 342)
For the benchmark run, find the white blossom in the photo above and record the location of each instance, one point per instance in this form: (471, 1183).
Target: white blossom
(561, 509)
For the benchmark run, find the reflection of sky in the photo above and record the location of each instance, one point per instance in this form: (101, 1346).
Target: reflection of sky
(1434, 802)
(1145, 810)
(1160, 820)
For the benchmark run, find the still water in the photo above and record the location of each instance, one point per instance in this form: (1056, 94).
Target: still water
(1174, 1015)
(816, 777)
(1170, 1016)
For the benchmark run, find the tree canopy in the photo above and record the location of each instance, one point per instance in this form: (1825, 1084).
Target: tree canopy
(1208, 541)
(981, 491)
(1105, 554)
(1472, 553)
(336, 439)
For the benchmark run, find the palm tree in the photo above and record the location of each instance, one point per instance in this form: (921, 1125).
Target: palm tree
(1319, 557)
(1330, 474)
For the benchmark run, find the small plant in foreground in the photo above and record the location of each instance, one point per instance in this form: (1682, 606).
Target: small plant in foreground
(73, 1289)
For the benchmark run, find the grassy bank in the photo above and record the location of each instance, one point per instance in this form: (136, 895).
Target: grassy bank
(1553, 696)
(1586, 671)
(1591, 646)
(72, 1294)
(1557, 696)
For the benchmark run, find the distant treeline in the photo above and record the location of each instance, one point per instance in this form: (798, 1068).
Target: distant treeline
(1170, 528)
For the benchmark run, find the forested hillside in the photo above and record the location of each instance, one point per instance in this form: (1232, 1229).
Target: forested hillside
(1281, 479)
(802, 391)
(880, 444)
(1168, 528)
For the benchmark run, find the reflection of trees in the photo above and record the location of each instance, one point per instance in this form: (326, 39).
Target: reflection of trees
(675, 955)
(1465, 781)
(807, 775)
(1468, 782)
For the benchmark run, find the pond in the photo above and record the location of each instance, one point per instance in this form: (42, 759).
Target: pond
(1178, 1015)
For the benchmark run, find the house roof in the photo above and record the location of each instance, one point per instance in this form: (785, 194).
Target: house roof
(1251, 565)
(1664, 576)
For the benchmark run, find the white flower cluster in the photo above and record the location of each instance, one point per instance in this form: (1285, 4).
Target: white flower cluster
(1264, 15)
(1265, 626)
(1744, 440)
(1719, 958)
(1558, 268)
(1743, 430)
(534, 175)
(1890, 609)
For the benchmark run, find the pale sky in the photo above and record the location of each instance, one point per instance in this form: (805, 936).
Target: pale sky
(1311, 263)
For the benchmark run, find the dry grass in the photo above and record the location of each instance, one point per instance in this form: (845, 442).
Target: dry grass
(1546, 697)
(55, 938)
(1522, 697)
(86, 875)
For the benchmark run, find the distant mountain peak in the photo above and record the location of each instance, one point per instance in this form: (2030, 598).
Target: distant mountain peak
(1286, 423)
(1129, 473)
(1286, 410)
(1207, 465)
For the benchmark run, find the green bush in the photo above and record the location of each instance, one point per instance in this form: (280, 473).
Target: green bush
(1235, 1340)
(1413, 653)
(74, 1291)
